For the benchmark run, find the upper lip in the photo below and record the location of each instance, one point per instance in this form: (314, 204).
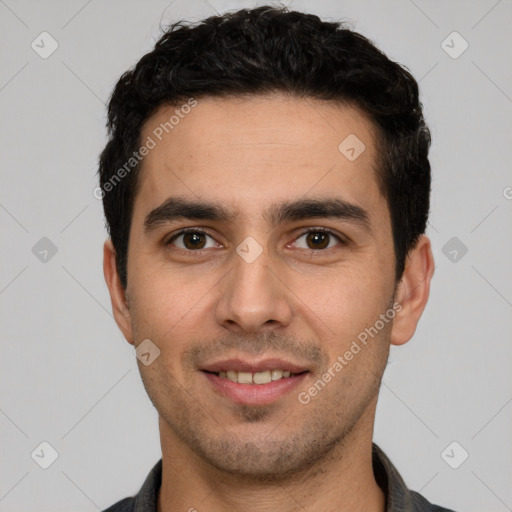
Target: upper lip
(239, 365)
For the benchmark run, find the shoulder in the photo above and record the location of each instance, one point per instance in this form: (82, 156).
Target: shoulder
(146, 498)
(125, 505)
(420, 504)
(398, 496)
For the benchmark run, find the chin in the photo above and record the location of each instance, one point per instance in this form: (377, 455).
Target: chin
(267, 460)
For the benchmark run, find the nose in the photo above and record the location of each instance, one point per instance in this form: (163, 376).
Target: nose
(254, 297)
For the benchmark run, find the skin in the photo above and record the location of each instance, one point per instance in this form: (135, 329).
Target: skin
(292, 302)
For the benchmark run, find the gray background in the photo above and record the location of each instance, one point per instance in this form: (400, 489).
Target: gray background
(67, 375)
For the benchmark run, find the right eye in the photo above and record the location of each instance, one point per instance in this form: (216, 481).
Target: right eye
(191, 240)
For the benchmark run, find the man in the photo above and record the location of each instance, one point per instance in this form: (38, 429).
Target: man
(266, 188)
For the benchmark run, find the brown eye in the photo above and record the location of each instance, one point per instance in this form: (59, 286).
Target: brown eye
(318, 239)
(191, 240)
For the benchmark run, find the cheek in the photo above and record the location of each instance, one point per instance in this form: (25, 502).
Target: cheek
(169, 305)
(344, 299)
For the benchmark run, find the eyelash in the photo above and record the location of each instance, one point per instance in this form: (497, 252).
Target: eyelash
(327, 231)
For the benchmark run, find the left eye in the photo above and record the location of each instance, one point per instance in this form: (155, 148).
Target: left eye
(318, 239)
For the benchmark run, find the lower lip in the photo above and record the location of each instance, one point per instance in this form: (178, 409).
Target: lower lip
(254, 394)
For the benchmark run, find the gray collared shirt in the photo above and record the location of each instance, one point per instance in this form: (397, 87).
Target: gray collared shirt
(398, 497)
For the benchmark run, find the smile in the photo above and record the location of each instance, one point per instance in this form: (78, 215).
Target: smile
(255, 378)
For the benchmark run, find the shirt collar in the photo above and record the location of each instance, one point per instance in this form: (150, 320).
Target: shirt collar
(398, 496)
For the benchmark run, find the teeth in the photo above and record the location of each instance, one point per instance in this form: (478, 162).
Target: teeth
(277, 374)
(262, 377)
(245, 377)
(254, 378)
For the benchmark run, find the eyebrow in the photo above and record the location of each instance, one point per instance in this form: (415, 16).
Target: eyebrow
(175, 208)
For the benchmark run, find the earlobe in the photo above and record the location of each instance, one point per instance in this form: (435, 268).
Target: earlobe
(118, 295)
(413, 291)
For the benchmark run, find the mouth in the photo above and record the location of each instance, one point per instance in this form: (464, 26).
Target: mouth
(260, 383)
(257, 378)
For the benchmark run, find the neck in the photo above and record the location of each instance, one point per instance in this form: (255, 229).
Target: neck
(342, 481)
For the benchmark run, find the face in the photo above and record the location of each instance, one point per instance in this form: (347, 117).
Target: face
(257, 248)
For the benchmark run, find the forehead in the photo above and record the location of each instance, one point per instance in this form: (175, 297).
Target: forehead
(249, 151)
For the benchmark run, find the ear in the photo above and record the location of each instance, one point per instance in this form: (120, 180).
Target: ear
(413, 291)
(120, 305)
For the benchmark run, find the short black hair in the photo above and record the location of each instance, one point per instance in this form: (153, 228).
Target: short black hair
(264, 50)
